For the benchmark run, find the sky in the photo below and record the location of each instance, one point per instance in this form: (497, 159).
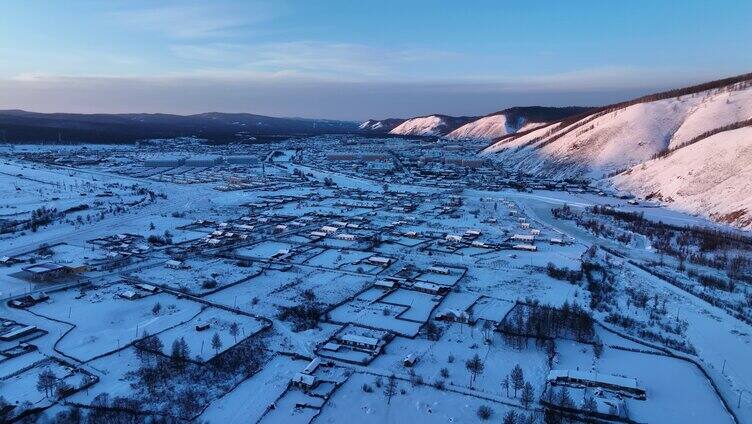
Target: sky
(359, 59)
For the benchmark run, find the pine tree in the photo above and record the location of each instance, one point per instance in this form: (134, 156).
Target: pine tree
(527, 394)
(518, 379)
(234, 330)
(216, 343)
(510, 417)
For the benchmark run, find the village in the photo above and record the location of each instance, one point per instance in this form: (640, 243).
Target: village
(339, 278)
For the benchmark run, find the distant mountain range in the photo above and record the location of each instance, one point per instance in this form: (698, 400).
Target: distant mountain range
(690, 148)
(486, 127)
(22, 126)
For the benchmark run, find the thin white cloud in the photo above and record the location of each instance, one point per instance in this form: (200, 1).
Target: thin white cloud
(313, 58)
(195, 21)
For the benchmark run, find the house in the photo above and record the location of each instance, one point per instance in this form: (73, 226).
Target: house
(147, 287)
(47, 271)
(329, 229)
(439, 270)
(410, 360)
(363, 342)
(17, 333)
(535, 232)
(430, 288)
(556, 241)
(472, 234)
(453, 238)
(623, 385)
(379, 261)
(281, 253)
(453, 315)
(129, 294)
(348, 237)
(203, 326)
(304, 381)
(311, 367)
(386, 284)
(173, 264)
(528, 238)
(527, 247)
(317, 234)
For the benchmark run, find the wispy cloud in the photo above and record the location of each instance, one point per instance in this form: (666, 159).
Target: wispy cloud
(312, 58)
(196, 21)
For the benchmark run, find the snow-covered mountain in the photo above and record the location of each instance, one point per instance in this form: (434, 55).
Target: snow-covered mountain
(510, 121)
(380, 126)
(711, 177)
(688, 147)
(431, 125)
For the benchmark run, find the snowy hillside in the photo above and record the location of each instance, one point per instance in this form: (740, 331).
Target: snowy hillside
(512, 120)
(432, 125)
(486, 128)
(380, 126)
(689, 148)
(619, 137)
(711, 177)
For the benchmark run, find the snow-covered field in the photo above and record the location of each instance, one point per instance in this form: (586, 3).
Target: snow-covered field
(316, 294)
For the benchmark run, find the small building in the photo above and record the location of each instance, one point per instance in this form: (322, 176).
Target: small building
(317, 234)
(281, 253)
(173, 264)
(348, 237)
(304, 381)
(526, 247)
(472, 234)
(18, 333)
(47, 271)
(129, 295)
(379, 261)
(439, 270)
(528, 238)
(623, 385)
(453, 238)
(203, 326)
(147, 287)
(386, 284)
(363, 342)
(535, 232)
(453, 315)
(311, 367)
(430, 288)
(329, 229)
(410, 360)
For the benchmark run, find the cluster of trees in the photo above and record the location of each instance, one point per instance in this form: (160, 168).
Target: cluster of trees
(303, 317)
(184, 386)
(564, 274)
(41, 217)
(546, 322)
(163, 240)
(644, 332)
(516, 381)
(599, 282)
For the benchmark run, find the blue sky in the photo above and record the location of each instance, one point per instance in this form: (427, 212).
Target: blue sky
(358, 59)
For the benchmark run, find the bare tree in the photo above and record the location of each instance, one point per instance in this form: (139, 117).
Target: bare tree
(390, 389)
(475, 366)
